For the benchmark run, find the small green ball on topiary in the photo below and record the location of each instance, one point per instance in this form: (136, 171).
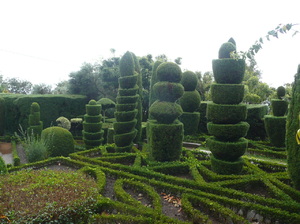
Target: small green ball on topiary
(169, 71)
(280, 92)
(190, 101)
(226, 49)
(59, 141)
(92, 102)
(35, 107)
(189, 81)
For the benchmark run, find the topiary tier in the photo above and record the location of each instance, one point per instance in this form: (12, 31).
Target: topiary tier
(35, 124)
(92, 133)
(275, 124)
(226, 114)
(165, 132)
(190, 102)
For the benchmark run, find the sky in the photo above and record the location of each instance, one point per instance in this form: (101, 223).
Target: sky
(43, 41)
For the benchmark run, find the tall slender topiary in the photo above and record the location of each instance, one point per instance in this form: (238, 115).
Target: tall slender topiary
(92, 125)
(226, 114)
(275, 124)
(2, 115)
(126, 108)
(152, 96)
(165, 130)
(35, 124)
(292, 133)
(190, 102)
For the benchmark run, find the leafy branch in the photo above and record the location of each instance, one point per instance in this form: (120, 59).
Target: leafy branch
(250, 53)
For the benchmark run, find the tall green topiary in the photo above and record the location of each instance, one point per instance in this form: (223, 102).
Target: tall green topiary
(126, 108)
(190, 102)
(92, 125)
(275, 124)
(292, 133)
(2, 116)
(153, 81)
(59, 141)
(226, 115)
(165, 130)
(35, 126)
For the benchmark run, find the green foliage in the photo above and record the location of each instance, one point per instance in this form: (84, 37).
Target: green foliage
(226, 113)
(190, 101)
(127, 65)
(189, 81)
(169, 71)
(226, 49)
(280, 92)
(59, 141)
(35, 124)
(165, 112)
(227, 93)
(292, 126)
(279, 107)
(128, 91)
(252, 98)
(154, 80)
(228, 132)
(63, 122)
(127, 99)
(127, 82)
(231, 40)
(255, 114)
(190, 121)
(225, 167)
(2, 115)
(122, 116)
(41, 89)
(3, 168)
(124, 127)
(275, 128)
(168, 91)
(106, 103)
(228, 70)
(124, 139)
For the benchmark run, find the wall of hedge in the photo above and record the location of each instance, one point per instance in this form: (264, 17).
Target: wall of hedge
(17, 109)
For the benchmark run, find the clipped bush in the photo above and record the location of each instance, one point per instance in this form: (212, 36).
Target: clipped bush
(128, 82)
(126, 65)
(189, 81)
(128, 92)
(165, 112)
(2, 116)
(123, 127)
(225, 167)
(228, 70)
(63, 122)
(190, 121)
(275, 128)
(226, 49)
(126, 107)
(127, 99)
(169, 71)
(3, 168)
(280, 92)
(122, 116)
(152, 96)
(227, 93)
(35, 124)
(190, 101)
(279, 107)
(168, 91)
(58, 140)
(124, 139)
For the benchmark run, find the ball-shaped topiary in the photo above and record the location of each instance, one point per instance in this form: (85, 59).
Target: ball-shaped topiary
(169, 71)
(190, 101)
(165, 112)
(226, 49)
(59, 141)
(280, 92)
(189, 80)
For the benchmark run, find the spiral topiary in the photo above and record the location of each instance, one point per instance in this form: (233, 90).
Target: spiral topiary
(59, 141)
(127, 104)
(35, 124)
(226, 114)
(92, 125)
(165, 130)
(190, 102)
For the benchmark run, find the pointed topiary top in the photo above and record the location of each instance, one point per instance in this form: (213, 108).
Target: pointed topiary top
(127, 64)
(231, 40)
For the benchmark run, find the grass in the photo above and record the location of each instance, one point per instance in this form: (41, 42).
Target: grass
(46, 195)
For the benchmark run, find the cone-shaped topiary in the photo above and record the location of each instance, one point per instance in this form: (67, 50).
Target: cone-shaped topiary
(292, 127)
(226, 114)
(166, 132)
(59, 141)
(190, 102)
(35, 124)
(92, 133)
(128, 104)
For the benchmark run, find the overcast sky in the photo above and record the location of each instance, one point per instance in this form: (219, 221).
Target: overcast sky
(42, 41)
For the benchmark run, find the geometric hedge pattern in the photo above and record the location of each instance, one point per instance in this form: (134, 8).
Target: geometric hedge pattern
(135, 190)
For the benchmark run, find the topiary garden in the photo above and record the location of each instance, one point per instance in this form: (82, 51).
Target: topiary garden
(216, 177)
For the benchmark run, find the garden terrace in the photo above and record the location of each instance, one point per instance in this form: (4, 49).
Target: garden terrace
(134, 189)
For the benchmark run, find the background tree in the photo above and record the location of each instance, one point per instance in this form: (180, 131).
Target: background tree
(15, 85)
(41, 89)
(204, 83)
(62, 88)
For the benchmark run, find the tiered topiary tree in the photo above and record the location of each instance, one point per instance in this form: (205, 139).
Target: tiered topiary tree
(190, 102)
(152, 96)
(292, 133)
(35, 124)
(226, 114)
(126, 108)
(2, 115)
(59, 141)
(165, 132)
(92, 133)
(275, 124)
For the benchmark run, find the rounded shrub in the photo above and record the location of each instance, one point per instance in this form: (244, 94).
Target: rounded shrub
(168, 91)
(169, 71)
(128, 82)
(226, 167)
(59, 141)
(227, 150)
(126, 64)
(228, 132)
(189, 81)
(165, 112)
(228, 70)
(226, 113)
(280, 92)
(226, 49)
(190, 101)
(227, 93)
